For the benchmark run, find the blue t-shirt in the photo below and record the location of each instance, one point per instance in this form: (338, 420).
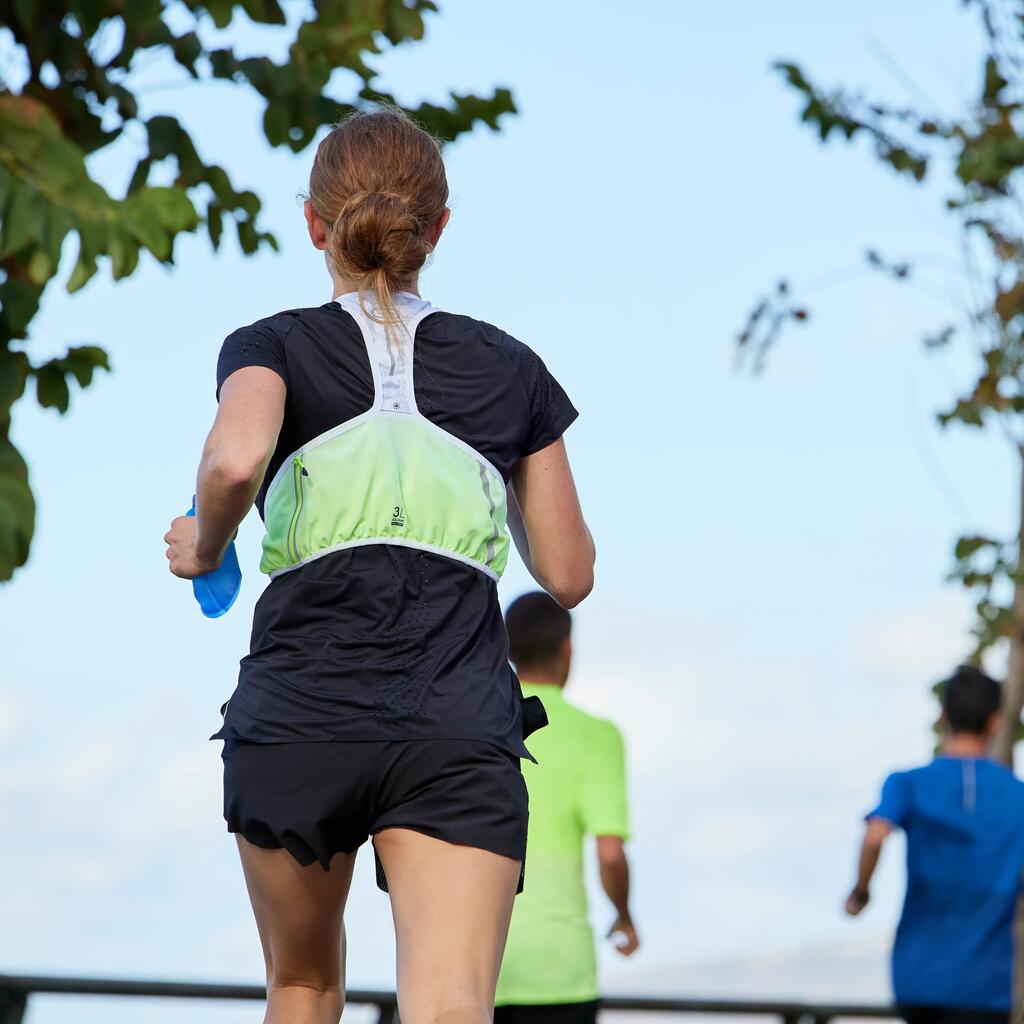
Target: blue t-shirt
(964, 820)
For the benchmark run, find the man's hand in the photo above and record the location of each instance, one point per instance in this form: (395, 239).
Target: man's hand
(856, 901)
(629, 942)
(180, 539)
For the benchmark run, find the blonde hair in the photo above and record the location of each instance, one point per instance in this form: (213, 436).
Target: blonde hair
(378, 183)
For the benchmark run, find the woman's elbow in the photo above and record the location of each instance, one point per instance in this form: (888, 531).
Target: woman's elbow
(237, 469)
(572, 591)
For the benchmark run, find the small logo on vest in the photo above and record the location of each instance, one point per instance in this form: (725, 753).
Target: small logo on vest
(398, 516)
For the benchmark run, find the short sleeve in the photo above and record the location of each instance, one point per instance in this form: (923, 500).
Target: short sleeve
(603, 806)
(893, 805)
(256, 345)
(551, 412)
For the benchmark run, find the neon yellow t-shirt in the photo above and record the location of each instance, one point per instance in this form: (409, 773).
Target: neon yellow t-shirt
(577, 788)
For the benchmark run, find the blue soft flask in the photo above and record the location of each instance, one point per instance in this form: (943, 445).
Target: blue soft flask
(216, 591)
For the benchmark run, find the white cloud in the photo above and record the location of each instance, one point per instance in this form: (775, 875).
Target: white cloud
(12, 713)
(854, 969)
(91, 765)
(186, 791)
(921, 644)
(81, 871)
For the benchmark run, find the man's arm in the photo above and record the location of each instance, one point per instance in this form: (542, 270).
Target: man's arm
(614, 869)
(875, 835)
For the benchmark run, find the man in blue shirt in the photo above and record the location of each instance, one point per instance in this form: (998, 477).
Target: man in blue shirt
(952, 961)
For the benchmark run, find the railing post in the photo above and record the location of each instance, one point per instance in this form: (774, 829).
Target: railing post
(12, 1006)
(388, 1014)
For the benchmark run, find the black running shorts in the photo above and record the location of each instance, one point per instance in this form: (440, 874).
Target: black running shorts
(948, 1015)
(558, 1013)
(316, 799)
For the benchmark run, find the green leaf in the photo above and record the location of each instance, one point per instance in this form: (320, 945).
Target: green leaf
(220, 11)
(968, 546)
(90, 242)
(266, 12)
(40, 266)
(995, 83)
(164, 134)
(145, 226)
(124, 252)
(52, 388)
(13, 375)
(82, 361)
(23, 220)
(79, 362)
(247, 238)
(17, 510)
(214, 223)
(19, 302)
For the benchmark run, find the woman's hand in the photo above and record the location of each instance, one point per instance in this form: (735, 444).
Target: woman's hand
(181, 539)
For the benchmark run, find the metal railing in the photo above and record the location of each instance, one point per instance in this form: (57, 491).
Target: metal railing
(15, 992)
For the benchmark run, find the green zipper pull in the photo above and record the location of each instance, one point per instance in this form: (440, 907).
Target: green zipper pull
(299, 471)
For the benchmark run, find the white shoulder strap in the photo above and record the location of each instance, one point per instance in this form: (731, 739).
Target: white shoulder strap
(390, 350)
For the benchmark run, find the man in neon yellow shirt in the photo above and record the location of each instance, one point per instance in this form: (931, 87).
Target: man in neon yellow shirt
(578, 788)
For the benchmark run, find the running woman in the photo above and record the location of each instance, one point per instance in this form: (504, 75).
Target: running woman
(390, 448)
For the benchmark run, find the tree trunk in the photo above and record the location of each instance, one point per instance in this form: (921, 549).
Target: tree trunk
(1013, 688)
(1002, 748)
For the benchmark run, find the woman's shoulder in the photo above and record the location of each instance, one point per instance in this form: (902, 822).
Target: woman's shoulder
(546, 404)
(278, 326)
(458, 327)
(265, 342)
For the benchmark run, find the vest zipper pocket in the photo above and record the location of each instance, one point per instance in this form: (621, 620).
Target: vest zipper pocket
(298, 472)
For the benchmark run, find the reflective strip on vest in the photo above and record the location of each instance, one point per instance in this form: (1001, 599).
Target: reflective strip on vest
(388, 476)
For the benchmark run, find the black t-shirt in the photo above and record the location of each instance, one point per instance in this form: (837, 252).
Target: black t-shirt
(383, 641)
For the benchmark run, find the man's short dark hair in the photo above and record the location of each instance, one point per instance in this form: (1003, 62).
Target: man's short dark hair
(537, 627)
(970, 699)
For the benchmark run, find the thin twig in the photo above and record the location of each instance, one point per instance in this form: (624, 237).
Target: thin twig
(886, 59)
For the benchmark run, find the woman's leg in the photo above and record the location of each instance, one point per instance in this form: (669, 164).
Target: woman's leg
(451, 906)
(299, 913)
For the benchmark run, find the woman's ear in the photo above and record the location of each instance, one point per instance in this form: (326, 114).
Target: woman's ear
(434, 234)
(315, 225)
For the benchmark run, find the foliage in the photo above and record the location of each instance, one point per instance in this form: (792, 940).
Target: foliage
(78, 95)
(979, 154)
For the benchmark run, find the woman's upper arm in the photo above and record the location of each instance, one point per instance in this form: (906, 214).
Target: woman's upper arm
(249, 419)
(561, 549)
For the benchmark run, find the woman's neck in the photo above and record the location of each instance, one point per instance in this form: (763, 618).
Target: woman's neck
(344, 286)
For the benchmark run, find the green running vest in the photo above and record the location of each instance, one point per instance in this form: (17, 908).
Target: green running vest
(388, 476)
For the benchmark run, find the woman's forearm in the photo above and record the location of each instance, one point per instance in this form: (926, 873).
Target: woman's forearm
(517, 528)
(235, 457)
(224, 495)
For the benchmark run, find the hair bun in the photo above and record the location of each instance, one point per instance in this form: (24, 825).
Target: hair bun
(378, 231)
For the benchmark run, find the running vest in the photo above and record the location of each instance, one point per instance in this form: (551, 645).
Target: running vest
(387, 476)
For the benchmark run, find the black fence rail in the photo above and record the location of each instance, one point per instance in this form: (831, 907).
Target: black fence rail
(15, 993)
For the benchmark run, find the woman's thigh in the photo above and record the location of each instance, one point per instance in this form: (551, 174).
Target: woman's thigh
(299, 913)
(451, 905)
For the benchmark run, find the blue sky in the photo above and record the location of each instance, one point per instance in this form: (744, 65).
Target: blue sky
(770, 607)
